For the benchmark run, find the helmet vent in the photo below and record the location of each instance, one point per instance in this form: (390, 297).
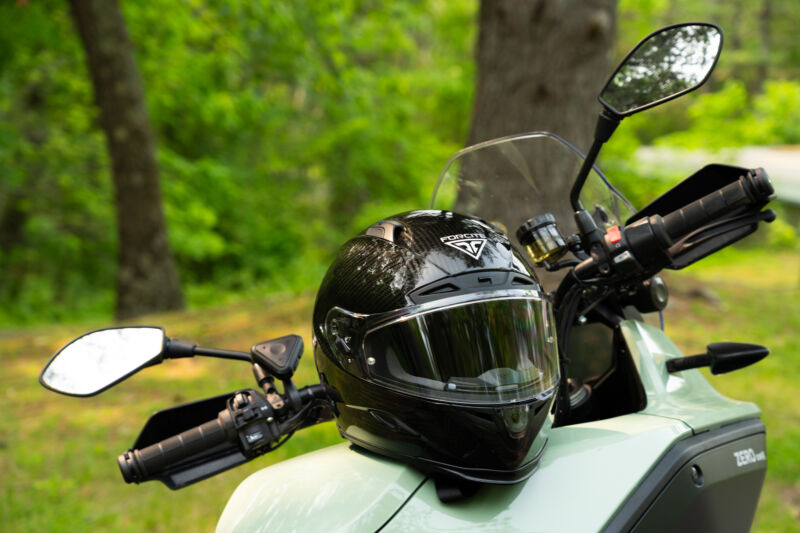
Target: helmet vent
(521, 281)
(385, 229)
(485, 280)
(440, 289)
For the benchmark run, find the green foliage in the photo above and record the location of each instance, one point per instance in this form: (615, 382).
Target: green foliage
(55, 204)
(777, 113)
(731, 117)
(719, 119)
(283, 128)
(781, 235)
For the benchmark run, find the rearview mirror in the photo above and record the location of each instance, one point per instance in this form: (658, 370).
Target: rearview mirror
(664, 65)
(99, 359)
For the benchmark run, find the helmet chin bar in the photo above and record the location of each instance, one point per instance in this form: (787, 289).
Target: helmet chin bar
(458, 481)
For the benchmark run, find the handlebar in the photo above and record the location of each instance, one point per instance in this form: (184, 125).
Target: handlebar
(250, 425)
(141, 465)
(645, 246)
(751, 189)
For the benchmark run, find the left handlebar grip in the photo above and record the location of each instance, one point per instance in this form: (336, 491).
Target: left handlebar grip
(142, 465)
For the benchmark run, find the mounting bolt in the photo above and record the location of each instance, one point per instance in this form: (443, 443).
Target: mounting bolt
(697, 476)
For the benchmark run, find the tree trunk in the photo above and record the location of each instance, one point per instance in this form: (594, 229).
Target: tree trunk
(541, 65)
(147, 279)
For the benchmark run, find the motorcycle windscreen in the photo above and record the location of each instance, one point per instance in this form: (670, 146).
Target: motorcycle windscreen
(487, 352)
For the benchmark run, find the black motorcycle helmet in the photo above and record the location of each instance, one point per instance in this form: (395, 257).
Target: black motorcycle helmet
(439, 346)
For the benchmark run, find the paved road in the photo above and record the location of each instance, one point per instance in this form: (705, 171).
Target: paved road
(782, 163)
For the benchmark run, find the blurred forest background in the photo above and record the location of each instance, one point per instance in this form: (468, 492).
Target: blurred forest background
(285, 127)
(282, 128)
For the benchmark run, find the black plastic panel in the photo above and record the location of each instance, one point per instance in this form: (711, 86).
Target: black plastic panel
(280, 356)
(169, 422)
(707, 483)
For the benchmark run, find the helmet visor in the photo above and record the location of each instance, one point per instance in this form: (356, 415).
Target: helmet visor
(487, 351)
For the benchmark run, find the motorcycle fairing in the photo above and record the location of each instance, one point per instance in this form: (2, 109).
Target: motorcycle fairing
(333, 489)
(686, 396)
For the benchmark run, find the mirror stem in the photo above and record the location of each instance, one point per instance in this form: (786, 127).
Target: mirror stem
(176, 348)
(224, 354)
(606, 124)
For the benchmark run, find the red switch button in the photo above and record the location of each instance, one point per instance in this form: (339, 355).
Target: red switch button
(614, 234)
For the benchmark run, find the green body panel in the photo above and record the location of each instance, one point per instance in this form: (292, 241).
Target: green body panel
(587, 470)
(333, 489)
(586, 473)
(685, 396)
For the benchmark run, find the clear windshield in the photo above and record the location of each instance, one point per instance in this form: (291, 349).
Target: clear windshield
(509, 180)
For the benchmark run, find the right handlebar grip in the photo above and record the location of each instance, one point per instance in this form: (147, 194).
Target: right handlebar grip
(752, 188)
(142, 465)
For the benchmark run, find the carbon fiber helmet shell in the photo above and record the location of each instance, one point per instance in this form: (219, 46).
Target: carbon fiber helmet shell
(401, 262)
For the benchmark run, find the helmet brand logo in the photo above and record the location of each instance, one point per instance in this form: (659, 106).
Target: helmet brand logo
(471, 244)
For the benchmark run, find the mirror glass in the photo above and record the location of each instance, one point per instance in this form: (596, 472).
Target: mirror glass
(667, 64)
(101, 358)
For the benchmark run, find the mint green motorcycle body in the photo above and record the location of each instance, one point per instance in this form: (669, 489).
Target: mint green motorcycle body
(691, 460)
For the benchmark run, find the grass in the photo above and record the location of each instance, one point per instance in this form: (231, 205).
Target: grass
(57, 454)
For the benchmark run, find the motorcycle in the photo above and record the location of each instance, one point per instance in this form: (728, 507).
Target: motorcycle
(637, 440)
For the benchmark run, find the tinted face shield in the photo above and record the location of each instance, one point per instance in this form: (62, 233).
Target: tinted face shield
(481, 348)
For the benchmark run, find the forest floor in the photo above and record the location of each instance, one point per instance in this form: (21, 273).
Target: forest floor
(57, 454)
